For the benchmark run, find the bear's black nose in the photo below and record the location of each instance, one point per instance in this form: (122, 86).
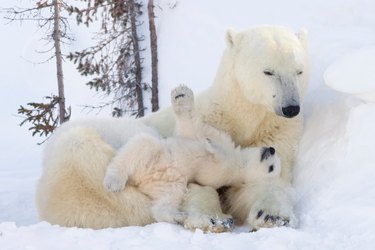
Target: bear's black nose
(291, 111)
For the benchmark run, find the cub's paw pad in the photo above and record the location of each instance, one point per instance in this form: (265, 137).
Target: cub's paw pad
(114, 183)
(179, 96)
(182, 92)
(182, 99)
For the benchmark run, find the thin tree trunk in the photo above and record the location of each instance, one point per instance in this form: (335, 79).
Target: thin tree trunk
(154, 57)
(137, 60)
(57, 44)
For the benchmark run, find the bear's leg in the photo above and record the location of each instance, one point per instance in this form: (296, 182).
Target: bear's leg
(263, 203)
(136, 156)
(203, 209)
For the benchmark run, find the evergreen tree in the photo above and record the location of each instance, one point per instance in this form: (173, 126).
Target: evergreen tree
(45, 117)
(114, 62)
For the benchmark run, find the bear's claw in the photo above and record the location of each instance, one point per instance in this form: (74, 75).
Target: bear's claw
(209, 224)
(263, 219)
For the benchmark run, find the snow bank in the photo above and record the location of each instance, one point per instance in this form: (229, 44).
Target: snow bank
(334, 174)
(354, 74)
(156, 236)
(333, 180)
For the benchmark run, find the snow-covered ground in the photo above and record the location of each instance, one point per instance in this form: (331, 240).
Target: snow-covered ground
(334, 172)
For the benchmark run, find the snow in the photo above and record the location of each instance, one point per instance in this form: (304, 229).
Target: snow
(334, 171)
(354, 74)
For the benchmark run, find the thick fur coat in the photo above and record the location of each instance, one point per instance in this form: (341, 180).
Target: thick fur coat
(256, 98)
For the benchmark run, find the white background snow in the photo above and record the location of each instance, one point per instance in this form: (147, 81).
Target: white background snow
(335, 170)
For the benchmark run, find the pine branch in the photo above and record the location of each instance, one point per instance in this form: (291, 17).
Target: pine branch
(42, 116)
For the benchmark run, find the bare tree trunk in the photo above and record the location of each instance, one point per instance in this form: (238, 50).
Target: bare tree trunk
(60, 76)
(137, 60)
(154, 57)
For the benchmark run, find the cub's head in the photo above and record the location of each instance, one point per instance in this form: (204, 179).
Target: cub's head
(270, 66)
(261, 163)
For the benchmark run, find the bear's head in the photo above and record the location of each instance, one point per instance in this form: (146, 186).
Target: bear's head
(270, 66)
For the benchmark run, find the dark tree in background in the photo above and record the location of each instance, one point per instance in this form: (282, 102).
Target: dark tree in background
(114, 63)
(154, 57)
(57, 35)
(45, 117)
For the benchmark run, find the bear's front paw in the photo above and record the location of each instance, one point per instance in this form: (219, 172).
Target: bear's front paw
(182, 99)
(271, 213)
(114, 183)
(264, 219)
(213, 224)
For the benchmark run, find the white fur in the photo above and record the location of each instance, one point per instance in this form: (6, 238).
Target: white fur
(247, 104)
(70, 190)
(76, 159)
(240, 101)
(162, 168)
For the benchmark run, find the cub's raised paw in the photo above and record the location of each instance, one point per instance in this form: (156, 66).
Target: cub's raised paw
(210, 224)
(113, 183)
(182, 99)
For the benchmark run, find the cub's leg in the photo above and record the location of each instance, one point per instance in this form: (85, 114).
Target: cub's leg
(187, 123)
(182, 99)
(137, 155)
(201, 204)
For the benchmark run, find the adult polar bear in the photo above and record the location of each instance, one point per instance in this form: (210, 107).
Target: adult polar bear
(256, 98)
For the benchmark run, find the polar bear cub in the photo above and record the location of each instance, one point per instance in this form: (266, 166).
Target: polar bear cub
(198, 153)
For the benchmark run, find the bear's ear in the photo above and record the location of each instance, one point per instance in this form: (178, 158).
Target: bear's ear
(302, 35)
(230, 37)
